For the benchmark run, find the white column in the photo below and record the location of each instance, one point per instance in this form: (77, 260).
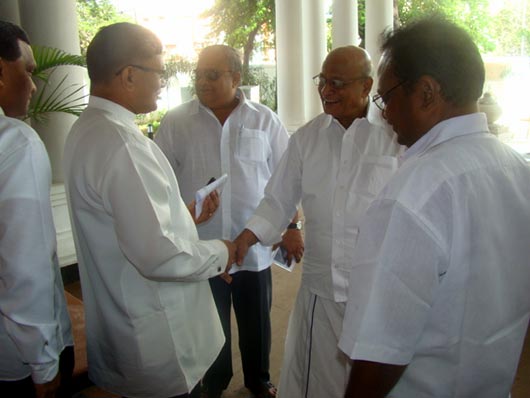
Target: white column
(9, 11)
(53, 23)
(379, 17)
(314, 28)
(345, 23)
(290, 63)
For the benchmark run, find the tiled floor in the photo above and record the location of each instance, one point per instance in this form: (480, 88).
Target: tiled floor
(285, 286)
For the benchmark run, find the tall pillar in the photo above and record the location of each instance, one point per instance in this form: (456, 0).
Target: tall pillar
(9, 11)
(290, 63)
(345, 25)
(314, 27)
(53, 23)
(379, 17)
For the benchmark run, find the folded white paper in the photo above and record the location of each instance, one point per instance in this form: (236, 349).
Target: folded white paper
(202, 193)
(280, 259)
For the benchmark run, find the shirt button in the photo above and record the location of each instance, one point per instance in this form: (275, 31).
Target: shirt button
(219, 269)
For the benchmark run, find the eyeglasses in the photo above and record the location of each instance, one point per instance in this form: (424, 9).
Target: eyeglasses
(209, 74)
(381, 100)
(336, 84)
(160, 72)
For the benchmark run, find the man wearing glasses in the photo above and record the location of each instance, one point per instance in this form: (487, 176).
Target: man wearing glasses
(152, 326)
(222, 132)
(439, 303)
(334, 165)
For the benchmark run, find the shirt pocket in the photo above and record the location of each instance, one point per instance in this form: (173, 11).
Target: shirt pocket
(374, 173)
(251, 145)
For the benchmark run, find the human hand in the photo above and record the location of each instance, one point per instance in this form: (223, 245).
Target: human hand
(293, 244)
(209, 206)
(231, 254)
(243, 242)
(48, 390)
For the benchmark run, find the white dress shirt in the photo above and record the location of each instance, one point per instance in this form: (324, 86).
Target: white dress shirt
(152, 325)
(441, 270)
(34, 322)
(247, 148)
(336, 173)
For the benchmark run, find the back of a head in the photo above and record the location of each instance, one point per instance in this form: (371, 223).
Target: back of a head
(119, 45)
(10, 34)
(438, 48)
(231, 55)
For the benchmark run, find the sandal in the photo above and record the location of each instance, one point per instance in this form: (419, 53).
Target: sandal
(267, 390)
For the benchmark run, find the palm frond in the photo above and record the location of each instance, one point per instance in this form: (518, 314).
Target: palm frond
(48, 58)
(63, 98)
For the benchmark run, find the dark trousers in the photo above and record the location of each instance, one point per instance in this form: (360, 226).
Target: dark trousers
(251, 294)
(25, 388)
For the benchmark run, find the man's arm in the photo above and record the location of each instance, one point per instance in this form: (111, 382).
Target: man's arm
(28, 245)
(372, 379)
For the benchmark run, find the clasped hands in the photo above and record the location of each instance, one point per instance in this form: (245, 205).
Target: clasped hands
(291, 242)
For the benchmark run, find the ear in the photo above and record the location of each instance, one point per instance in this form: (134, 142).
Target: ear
(429, 90)
(367, 86)
(127, 78)
(236, 79)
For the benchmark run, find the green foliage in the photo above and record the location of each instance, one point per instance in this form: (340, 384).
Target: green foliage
(241, 21)
(256, 76)
(177, 64)
(471, 14)
(152, 118)
(93, 15)
(63, 98)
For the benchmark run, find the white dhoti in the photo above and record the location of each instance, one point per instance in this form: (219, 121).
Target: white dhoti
(313, 366)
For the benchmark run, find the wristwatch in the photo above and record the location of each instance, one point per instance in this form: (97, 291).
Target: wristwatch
(295, 225)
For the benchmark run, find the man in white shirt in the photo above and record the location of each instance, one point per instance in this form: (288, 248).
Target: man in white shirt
(335, 164)
(152, 328)
(439, 302)
(36, 346)
(223, 132)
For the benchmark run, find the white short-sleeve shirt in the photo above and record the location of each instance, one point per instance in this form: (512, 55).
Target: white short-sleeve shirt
(441, 270)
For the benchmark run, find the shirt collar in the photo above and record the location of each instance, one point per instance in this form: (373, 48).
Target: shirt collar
(2, 112)
(243, 101)
(446, 130)
(119, 112)
(373, 115)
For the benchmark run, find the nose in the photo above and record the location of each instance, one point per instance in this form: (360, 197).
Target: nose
(33, 87)
(325, 88)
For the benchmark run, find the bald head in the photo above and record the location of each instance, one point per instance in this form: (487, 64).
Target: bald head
(353, 57)
(345, 83)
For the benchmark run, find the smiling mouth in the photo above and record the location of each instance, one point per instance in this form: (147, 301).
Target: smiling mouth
(329, 102)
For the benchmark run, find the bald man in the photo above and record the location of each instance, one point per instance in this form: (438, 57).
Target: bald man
(334, 165)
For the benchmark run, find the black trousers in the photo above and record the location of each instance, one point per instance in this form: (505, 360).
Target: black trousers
(25, 387)
(251, 295)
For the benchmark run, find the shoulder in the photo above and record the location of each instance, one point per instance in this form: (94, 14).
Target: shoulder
(182, 111)
(16, 135)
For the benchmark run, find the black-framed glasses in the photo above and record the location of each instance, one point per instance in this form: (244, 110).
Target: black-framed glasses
(381, 100)
(209, 74)
(337, 84)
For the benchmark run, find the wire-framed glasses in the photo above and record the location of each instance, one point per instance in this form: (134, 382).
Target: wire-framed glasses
(380, 100)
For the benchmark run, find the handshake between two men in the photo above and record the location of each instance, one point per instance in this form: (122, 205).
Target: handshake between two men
(292, 242)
